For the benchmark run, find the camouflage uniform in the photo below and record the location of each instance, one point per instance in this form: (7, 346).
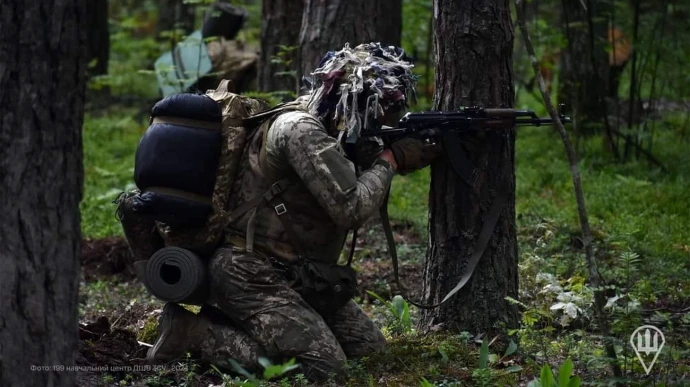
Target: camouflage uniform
(326, 200)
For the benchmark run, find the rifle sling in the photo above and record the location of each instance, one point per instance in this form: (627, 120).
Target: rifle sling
(459, 160)
(483, 240)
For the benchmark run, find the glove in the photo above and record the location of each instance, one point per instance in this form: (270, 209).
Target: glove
(412, 154)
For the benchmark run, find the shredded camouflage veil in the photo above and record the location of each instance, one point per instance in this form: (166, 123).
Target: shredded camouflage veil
(347, 80)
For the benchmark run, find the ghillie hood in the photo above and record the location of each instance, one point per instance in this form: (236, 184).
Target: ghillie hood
(346, 80)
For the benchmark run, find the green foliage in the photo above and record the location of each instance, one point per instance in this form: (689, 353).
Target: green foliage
(284, 59)
(400, 322)
(547, 379)
(132, 53)
(631, 207)
(486, 374)
(409, 199)
(271, 371)
(416, 41)
(109, 145)
(425, 383)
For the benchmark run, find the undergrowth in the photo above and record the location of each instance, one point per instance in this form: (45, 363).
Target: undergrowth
(639, 217)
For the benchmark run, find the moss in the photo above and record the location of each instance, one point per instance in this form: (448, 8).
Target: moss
(411, 358)
(192, 308)
(149, 332)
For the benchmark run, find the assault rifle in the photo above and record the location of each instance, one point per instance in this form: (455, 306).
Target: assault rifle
(451, 125)
(435, 124)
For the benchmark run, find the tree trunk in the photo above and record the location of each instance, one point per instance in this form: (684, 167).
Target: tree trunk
(583, 85)
(328, 24)
(176, 18)
(474, 45)
(98, 39)
(389, 22)
(42, 81)
(281, 22)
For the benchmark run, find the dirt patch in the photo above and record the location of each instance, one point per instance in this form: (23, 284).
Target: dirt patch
(107, 355)
(100, 345)
(375, 264)
(371, 241)
(106, 257)
(377, 276)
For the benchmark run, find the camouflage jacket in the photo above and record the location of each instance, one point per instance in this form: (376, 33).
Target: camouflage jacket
(325, 200)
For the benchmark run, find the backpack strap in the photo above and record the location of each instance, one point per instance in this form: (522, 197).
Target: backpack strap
(270, 197)
(280, 185)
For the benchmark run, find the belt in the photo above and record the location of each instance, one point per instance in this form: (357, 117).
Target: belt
(238, 244)
(284, 250)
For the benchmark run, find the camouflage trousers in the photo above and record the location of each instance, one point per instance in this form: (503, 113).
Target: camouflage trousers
(270, 319)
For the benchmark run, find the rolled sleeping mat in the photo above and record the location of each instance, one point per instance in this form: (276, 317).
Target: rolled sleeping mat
(174, 274)
(177, 160)
(181, 148)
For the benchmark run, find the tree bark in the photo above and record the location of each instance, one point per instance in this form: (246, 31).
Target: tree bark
(98, 43)
(584, 77)
(42, 82)
(328, 24)
(474, 45)
(281, 23)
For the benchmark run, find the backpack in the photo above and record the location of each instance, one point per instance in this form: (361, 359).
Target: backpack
(187, 161)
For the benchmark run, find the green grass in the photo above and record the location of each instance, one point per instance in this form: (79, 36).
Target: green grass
(409, 198)
(630, 206)
(109, 146)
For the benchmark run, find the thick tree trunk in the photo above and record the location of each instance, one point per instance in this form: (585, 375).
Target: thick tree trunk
(474, 45)
(42, 77)
(175, 17)
(389, 22)
(98, 38)
(281, 23)
(584, 78)
(328, 24)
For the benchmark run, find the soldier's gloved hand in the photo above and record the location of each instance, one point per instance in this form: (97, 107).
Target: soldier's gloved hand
(412, 154)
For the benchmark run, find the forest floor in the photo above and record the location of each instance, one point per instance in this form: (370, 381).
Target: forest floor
(640, 220)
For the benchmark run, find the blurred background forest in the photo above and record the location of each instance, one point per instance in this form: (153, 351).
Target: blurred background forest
(620, 66)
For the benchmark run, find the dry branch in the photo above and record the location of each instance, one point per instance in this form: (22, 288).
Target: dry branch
(595, 279)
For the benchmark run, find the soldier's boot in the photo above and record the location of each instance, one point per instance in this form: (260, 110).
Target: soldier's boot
(179, 331)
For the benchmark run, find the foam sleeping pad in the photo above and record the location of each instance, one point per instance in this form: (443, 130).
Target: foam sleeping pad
(174, 274)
